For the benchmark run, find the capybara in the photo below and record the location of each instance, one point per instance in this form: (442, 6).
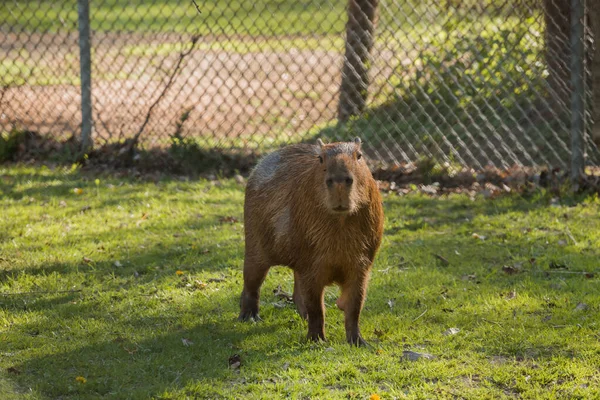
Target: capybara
(317, 210)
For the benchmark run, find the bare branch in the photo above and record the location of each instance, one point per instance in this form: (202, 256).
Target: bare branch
(182, 56)
(197, 7)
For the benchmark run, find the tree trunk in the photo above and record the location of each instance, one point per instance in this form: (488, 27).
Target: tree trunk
(594, 21)
(557, 16)
(360, 29)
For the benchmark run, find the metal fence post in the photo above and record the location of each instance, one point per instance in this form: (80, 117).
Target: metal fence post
(578, 89)
(85, 63)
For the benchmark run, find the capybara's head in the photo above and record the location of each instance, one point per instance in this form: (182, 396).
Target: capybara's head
(345, 175)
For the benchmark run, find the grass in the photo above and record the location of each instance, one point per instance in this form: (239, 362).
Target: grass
(266, 17)
(92, 304)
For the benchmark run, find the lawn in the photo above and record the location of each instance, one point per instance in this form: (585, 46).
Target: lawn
(128, 288)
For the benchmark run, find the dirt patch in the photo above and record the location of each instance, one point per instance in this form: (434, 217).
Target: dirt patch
(235, 97)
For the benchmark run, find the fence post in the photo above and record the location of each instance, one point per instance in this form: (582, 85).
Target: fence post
(578, 89)
(85, 65)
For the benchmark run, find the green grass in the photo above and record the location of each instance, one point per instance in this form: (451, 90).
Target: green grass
(89, 288)
(266, 17)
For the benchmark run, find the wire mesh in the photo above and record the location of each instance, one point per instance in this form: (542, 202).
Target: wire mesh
(474, 83)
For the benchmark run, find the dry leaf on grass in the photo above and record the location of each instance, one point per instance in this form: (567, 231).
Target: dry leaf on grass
(279, 293)
(13, 370)
(478, 236)
(414, 356)
(235, 361)
(511, 269)
(451, 331)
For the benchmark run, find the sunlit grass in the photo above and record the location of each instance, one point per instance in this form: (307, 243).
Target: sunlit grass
(89, 288)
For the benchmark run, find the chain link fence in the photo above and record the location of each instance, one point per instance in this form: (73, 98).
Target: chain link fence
(471, 83)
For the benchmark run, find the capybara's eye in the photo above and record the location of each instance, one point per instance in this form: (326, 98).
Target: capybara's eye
(358, 155)
(349, 181)
(329, 182)
(321, 159)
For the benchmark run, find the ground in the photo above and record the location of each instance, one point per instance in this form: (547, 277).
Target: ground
(129, 287)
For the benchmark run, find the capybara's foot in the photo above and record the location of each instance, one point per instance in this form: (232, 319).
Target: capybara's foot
(248, 308)
(357, 340)
(316, 336)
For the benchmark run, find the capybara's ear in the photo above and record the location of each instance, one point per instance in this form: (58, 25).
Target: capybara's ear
(320, 143)
(358, 142)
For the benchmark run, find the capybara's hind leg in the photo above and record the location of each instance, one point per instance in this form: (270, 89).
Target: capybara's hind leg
(297, 297)
(255, 271)
(312, 297)
(351, 301)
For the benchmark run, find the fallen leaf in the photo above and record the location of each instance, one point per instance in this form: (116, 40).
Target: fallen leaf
(229, 219)
(414, 356)
(451, 331)
(81, 379)
(279, 293)
(390, 303)
(588, 275)
(179, 272)
(144, 215)
(213, 280)
(239, 179)
(581, 307)
(13, 370)
(186, 342)
(478, 236)
(235, 361)
(511, 295)
(78, 191)
(555, 265)
(199, 284)
(379, 333)
(87, 260)
(62, 203)
(510, 269)
(442, 259)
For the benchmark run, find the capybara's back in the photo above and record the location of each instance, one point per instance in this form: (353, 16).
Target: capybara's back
(316, 209)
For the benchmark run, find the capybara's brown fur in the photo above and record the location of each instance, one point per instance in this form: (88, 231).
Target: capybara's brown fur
(317, 210)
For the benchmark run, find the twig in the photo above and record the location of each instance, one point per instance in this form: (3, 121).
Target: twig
(442, 259)
(182, 56)
(41, 292)
(570, 235)
(423, 313)
(565, 272)
(197, 7)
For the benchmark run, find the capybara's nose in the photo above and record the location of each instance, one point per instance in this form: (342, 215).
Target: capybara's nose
(343, 180)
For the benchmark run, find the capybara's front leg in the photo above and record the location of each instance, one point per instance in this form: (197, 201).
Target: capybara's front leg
(312, 297)
(351, 302)
(255, 271)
